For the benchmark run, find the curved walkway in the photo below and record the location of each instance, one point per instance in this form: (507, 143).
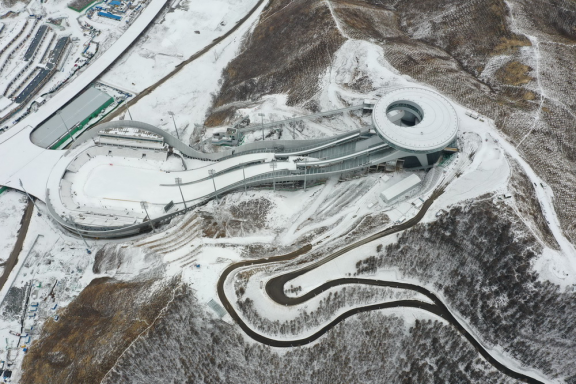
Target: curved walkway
(275, 289)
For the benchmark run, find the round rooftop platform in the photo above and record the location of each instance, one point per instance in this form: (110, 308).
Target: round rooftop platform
(415, 120)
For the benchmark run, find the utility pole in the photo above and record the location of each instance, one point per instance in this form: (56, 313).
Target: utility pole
(179, 182)
(175, 128)
(244, 174)
(29, 198)
(273, 165)
(79, 234)
(129, 114)
(262, 116)
(66, 126)
(211, 173)
(144, 205)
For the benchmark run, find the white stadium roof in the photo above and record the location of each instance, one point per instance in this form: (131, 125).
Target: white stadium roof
(436, 120)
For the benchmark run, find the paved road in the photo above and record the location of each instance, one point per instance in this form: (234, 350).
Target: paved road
(13, 258)
(275, 289)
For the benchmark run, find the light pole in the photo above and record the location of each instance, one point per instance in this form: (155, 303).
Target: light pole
(262, 116)
(79, 234)
(244, 174)
(273, 165)
(211, 173)
(305, 172)
(179, 182)
(172, 114)
(66, 126)
(144, 205)
(33, 202)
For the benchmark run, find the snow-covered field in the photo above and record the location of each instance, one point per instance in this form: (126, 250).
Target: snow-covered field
(188, 93)
(184, 30)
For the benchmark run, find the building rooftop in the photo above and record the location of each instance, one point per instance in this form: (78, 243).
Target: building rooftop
(415, 120)
(74, 113)
(400, 187)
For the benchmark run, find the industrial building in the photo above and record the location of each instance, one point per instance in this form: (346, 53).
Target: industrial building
(109, 16)
(74, 116)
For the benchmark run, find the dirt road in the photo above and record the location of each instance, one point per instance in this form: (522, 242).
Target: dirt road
(179, 67)
(13, 258)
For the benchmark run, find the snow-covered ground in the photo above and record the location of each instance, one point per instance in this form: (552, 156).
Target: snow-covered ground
(187, 28)
(12, 204)
(50, 262)
(187, 94)
(201, 260)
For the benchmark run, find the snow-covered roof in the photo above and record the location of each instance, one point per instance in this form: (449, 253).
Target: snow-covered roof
(400, 187)
(71, 115)
(436, 122)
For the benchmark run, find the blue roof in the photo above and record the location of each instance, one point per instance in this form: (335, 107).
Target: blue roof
(109, 15)
(115, 3)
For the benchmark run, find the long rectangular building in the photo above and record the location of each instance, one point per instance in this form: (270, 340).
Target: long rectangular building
(35, 42)
(89, 104)
(45, 73)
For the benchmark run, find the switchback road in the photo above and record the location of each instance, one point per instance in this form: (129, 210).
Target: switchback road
(275, 289)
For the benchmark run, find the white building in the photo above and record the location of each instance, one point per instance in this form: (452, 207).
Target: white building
(399, 188)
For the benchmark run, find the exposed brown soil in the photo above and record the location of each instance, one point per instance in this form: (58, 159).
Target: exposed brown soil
(367, 225)
(528, 205)
(510, 45)
(514, 73)
(93, 331)
(237, 219)
(290, 47)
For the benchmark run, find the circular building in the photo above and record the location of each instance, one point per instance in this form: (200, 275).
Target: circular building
(415, 120)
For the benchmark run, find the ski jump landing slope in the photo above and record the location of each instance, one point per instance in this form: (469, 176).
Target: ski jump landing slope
(19, 157)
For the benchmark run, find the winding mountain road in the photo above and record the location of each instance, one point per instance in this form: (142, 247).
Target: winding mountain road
(275, 289)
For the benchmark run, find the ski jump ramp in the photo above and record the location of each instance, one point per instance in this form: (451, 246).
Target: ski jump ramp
(99, 190)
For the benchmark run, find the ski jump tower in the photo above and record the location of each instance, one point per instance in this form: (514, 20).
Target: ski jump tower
(416, 121)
